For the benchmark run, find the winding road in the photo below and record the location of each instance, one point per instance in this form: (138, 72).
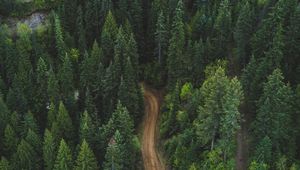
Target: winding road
(150, 154)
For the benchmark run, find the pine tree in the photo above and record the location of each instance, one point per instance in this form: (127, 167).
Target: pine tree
(108, 38)
(4, 115)
(132, 52)
(60, 44)
(64, 124)
(223, 28)
(49, 150)
(66, 82)
(110, 90)
(29, 122)
(175, 61)
(81, 43)
(64, 159)
(4, 164)
(121, 121)
(53, 88)
(161, 39)
(51, 116)
(41, 98)
(120, 52)
(243, 33)
(34, 140)
(69, 15)
(86, 159)
(10, 141)
(24, 158)
(129, 89)
(87, 129)
(263, 152)
(274, 114)
(113, 156)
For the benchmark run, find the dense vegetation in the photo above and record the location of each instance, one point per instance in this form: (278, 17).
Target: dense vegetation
(70, 95)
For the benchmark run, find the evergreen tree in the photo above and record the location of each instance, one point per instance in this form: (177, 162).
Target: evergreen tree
(274, 115)
(86, 159)
(49, 150)
(81, 43)
(64, 159)
(10, 141)
(175, 61)
(60, 44)
(66, 82)
(41, 98)
(29, 122)
(34, 140)
(64, 124)
(121, 121)
(130, 89)
(4, 164)
(243, 33)
(53, 88)
(263, 152)
(113, 156)
(24, 158)
(108, 38)
(87, 129)
(51, 116)
(4, 115)
(161, 39)
(69, 15)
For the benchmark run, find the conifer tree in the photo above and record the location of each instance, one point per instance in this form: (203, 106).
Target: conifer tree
(4, 164)
(243, 33)
(24, 158)
(175, 61)
(274, 115)
(130, 89)
(53, 88)
(10, 141)
(34, 140)
(108, 38)
(161, 39)
(66, 82)
(51, 115)
(4, 115)
(81, 43)
(41, 98)
(113, 156)
(59, 39)
(29, 122)
(223, 28)
(64, 159)
(86, 159)
(122, 121)
(69, 15)
(49, 150)
(64, 124)
(87, 129)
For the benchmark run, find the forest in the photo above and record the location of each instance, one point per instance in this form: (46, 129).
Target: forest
(221, 76)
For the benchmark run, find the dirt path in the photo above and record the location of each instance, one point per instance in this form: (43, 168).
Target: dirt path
(149, 144)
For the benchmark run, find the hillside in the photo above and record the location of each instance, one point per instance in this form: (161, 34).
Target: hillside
(149, 84)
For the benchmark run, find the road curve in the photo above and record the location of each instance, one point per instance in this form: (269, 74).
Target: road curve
(149, 142)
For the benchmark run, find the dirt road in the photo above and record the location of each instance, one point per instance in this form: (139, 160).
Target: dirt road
(149, 144)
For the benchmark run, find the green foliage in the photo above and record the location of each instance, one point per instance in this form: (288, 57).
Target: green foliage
(86, 159)
(24, 158)
(49, 150)
(274, 115)
(64, 125)
(175, 61)
(4, 164)
(64, 160)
